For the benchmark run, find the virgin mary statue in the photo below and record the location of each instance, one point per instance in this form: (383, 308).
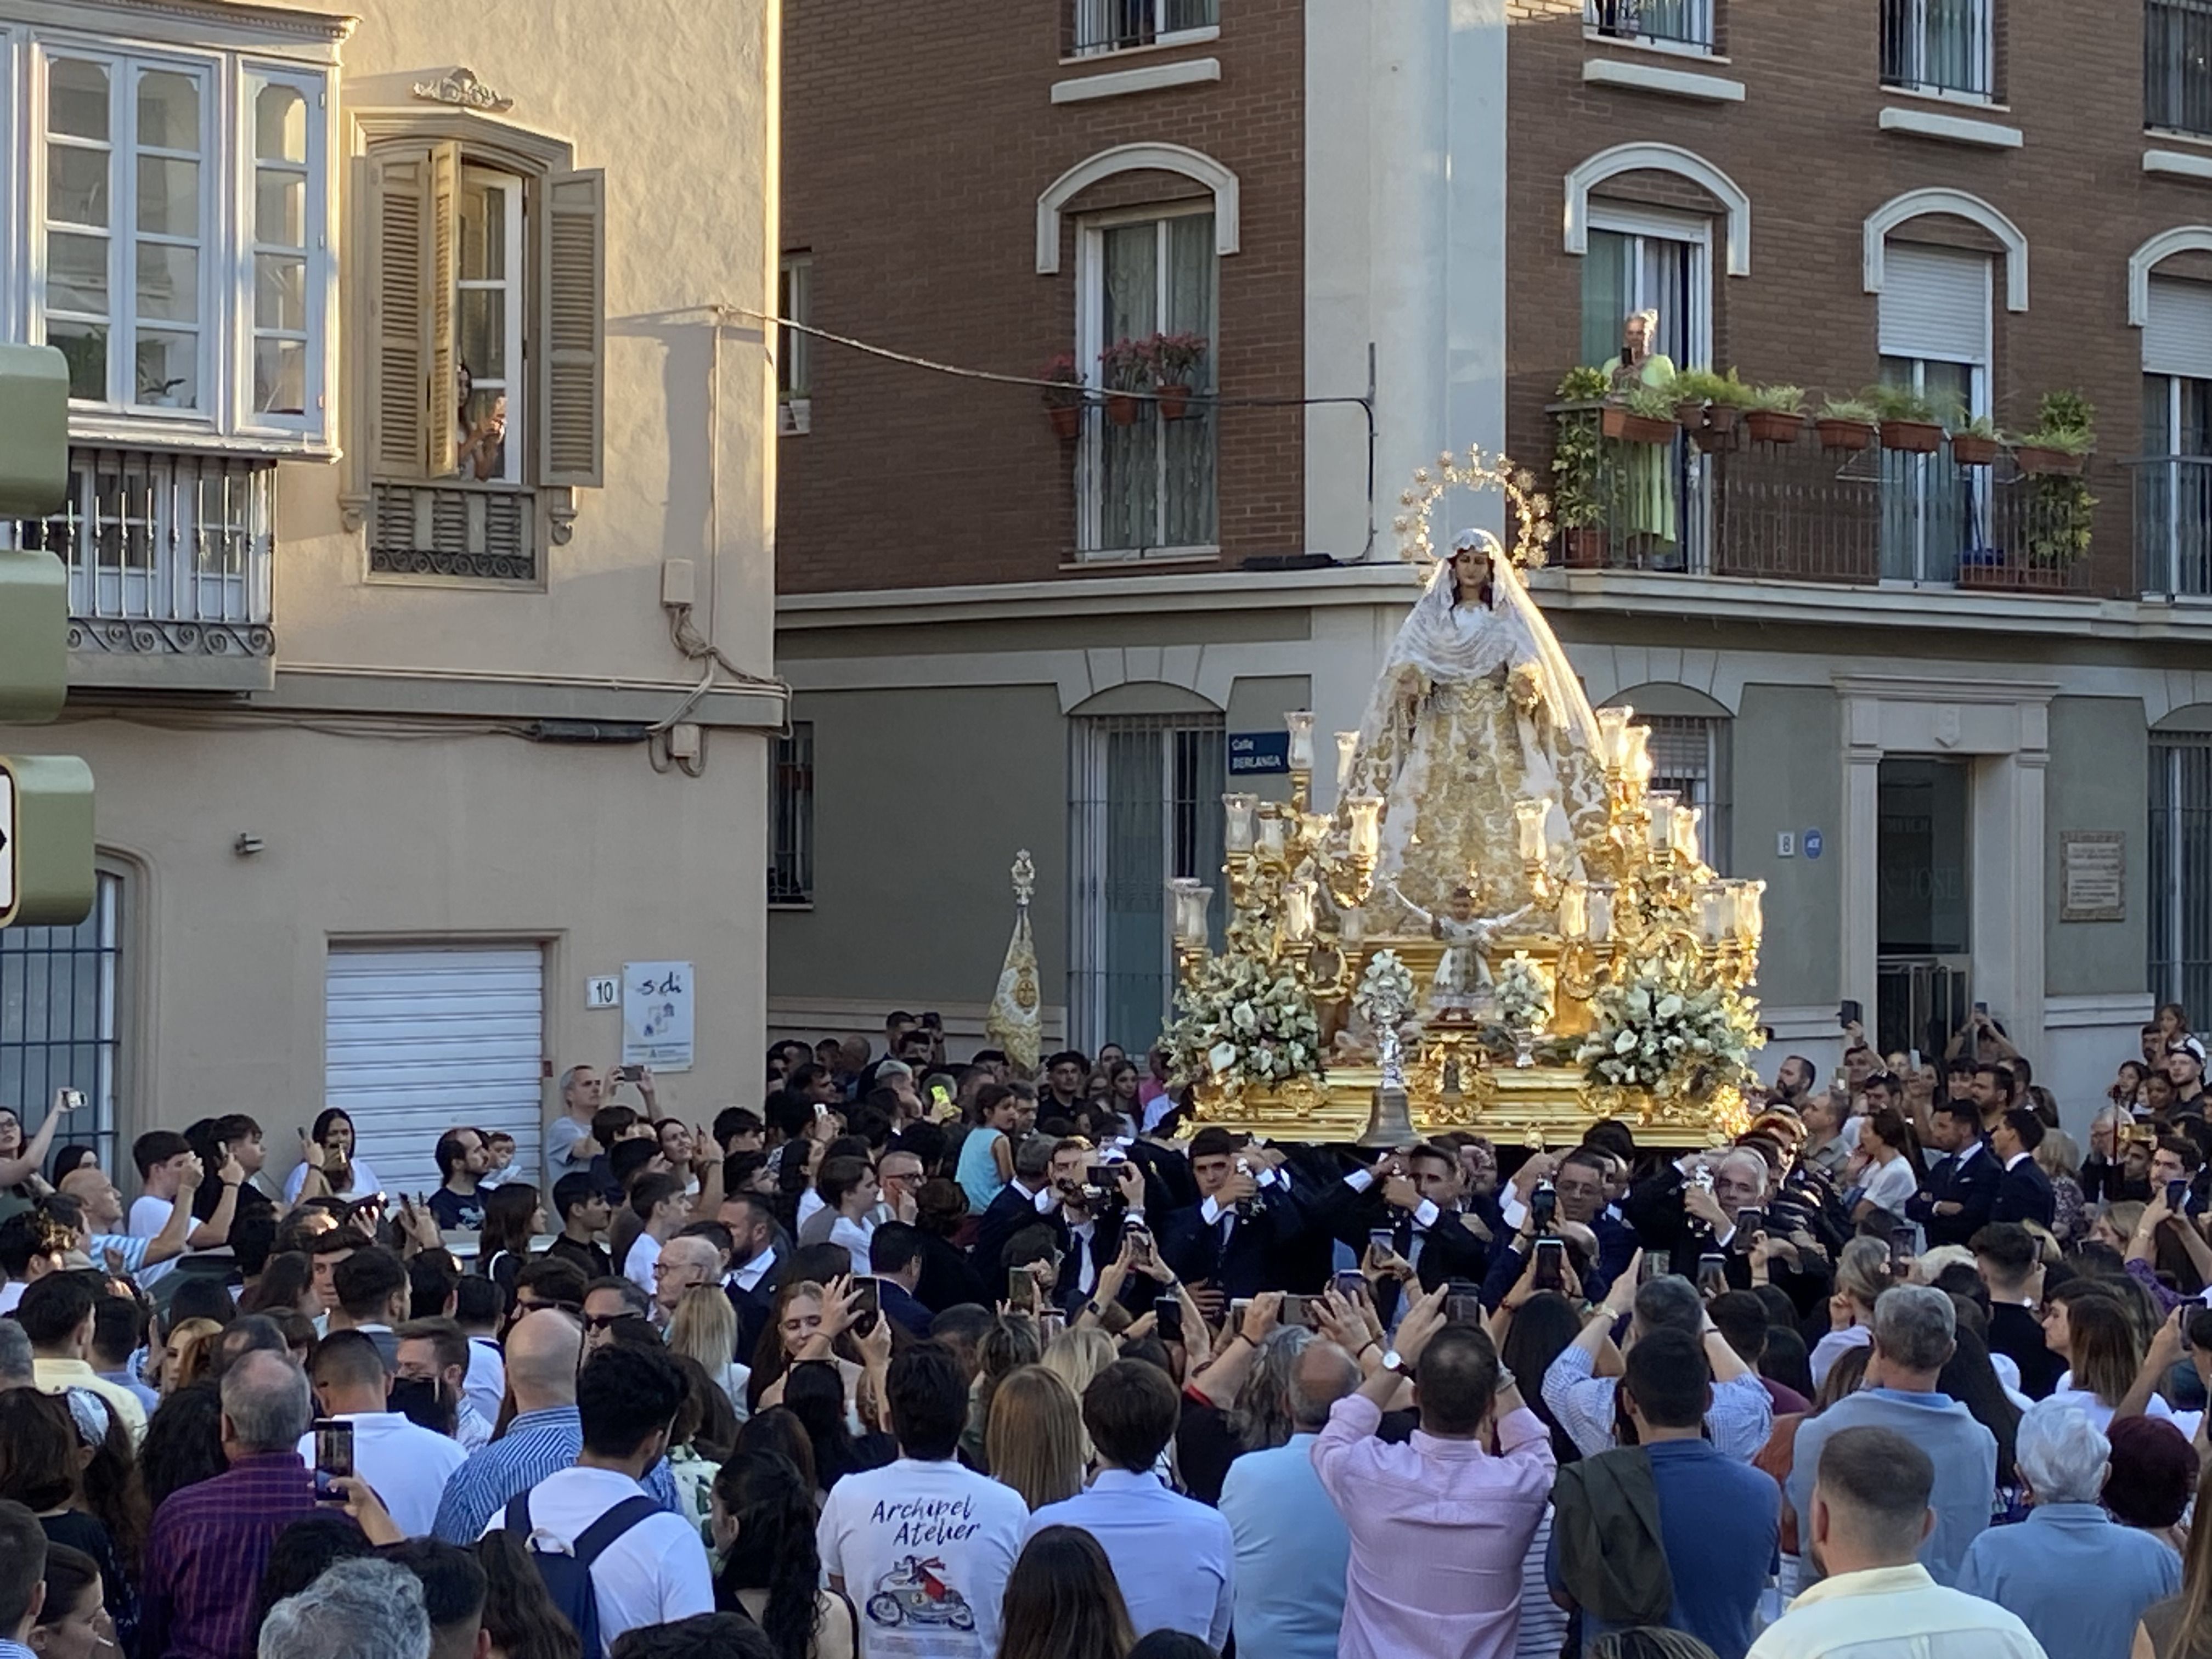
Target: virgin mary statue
(1476, 709)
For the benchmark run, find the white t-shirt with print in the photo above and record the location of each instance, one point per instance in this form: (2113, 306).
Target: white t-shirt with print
(924, 1549)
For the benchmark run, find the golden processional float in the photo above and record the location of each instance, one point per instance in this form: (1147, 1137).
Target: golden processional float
(1500, 928)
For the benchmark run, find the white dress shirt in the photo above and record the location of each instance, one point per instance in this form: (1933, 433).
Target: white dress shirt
(1887, 1613)
(853, 1238)
(407, 1465)
(637, 1265)
(1175, 1560)
(653, 1574)
(485, 1386)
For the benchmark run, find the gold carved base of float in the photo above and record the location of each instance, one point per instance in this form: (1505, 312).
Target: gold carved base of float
(1450, 1086)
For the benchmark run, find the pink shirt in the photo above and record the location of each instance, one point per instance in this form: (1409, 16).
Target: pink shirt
(1439, 1529)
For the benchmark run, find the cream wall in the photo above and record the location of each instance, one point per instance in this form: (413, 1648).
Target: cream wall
(451, 840)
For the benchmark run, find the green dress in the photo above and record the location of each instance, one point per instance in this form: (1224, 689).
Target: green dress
(1647, 473)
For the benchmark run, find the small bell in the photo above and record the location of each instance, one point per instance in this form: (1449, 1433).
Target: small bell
(1390, 1119)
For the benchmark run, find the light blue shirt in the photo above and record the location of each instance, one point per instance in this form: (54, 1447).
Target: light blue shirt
(1174, 1558)
(977, 1171)
(537, 1444)
(1964, 1452)
(2077, 1578)
(1292, 1549)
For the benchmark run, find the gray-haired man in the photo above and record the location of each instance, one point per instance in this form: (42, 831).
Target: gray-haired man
(1915, 1331)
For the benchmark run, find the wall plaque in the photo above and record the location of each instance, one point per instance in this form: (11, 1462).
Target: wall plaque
(2093, 873)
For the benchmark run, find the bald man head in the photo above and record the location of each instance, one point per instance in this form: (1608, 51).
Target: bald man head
(1323, 1374)
(543, 1353)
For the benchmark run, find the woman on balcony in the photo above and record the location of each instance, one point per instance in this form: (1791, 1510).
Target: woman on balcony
(1646, 470)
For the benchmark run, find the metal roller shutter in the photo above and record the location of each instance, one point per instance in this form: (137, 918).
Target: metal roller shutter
(419, 1041)
(2177, 336)
(1935, 304)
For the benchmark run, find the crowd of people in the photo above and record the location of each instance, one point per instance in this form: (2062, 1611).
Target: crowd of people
(924, 1360)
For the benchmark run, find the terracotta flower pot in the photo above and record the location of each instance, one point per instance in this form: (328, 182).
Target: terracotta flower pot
(1774, 426)
(1721, 417)
(1845, 434)
(1618, 422)
(2035, 459)
(1690, 415)
(1913, 437)
(1175, 402)
(1585, 548)
(1121, 409)
(1968, 450)
(1067, 420)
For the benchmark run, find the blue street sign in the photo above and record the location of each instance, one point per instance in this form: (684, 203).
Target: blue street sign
(1258, 751)
(1812, 843)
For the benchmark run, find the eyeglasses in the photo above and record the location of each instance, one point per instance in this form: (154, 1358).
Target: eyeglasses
(607, 1321)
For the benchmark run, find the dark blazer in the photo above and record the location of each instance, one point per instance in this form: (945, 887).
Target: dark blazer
(948, 1280)
(2024, 1194)
(1656, 1210)
(753, 1308)
(900, 1306)
(1011, 1211)
(2014, 1330)
(1250, 1262)
(1972, 1185)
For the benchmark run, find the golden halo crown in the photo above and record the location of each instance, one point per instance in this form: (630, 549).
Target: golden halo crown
(1528, 510)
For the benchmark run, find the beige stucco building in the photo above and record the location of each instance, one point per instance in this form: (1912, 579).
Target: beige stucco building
(420, 548)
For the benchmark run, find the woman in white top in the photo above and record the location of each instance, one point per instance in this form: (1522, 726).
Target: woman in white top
(346, 1175)
(2103, 1355)
(1862, 1275)
(1889, 1171)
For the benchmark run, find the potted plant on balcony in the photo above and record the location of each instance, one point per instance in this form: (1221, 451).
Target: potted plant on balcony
(1641, 414)
(1578, 457)
(2064, 435)
(1907, 420)
(1693, 391)
(1175, 360)
(1776, 414)
(1974, 442)
(1845, 424)
(1063, 397)
(1730, 398)
(1126, 367)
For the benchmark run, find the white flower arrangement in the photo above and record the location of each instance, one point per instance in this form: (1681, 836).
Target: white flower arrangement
(1245, 1023)
(1524, 998)
(1655, 1026)
(1385, 990)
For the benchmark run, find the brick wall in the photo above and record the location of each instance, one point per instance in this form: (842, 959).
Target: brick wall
(1804, 144)
(916, 142)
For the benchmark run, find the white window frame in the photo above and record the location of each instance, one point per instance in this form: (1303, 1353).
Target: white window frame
(516, 286)
(224, 419)
(1191, 36)
(1918, 84)
(1090, 341)
(1978, 365)
(1702, 10)
(320, 336)
(794, 360)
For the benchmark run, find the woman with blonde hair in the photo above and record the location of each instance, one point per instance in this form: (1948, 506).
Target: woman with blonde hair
(1862, 1275)
(1076, 1356)
(2058, 1156)
(1035, 1442)
(704, 1327)
(189, 1356)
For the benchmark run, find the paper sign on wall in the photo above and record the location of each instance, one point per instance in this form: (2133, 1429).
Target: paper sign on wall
(657, 999)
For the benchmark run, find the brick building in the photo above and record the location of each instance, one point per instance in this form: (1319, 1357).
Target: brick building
(1958, 718)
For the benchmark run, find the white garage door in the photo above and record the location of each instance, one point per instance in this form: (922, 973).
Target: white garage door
(420, 1042)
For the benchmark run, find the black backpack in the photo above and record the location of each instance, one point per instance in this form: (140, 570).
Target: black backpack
(568, 1574)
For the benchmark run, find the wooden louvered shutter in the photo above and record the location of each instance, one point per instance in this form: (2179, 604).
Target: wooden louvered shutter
(399, 192)
(443, 276)
(572, 329)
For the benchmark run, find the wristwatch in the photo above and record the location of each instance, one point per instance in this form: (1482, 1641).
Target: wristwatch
(1392, 1361)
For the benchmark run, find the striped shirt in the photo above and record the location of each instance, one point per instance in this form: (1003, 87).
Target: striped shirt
(537, 1444)
(205, 1551)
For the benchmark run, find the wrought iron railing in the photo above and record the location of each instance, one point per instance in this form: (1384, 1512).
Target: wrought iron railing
(168, 554)
(476, 532)
(1939, 46)
(1801, 511)
(1671, 23)
(2178, 65)
(2173, 502)
(1118, 24)
(1146, 485)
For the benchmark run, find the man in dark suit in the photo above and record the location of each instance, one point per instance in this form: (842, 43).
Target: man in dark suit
(2024, 1191)
(756, 1269)
(1025, 1201)
(2011, 1264)
(1228, 1244)
(1092, 1222)
(895, 1252)
(1957, 1197)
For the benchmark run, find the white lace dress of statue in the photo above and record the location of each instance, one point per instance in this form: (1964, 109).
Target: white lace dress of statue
(1476, 708)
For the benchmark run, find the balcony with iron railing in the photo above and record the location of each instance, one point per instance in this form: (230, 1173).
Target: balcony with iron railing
(169, 560)
(2171, 497)
(2177, 66)
(1104, 26)
(1947, 48)
(1680, 25)
(1727, 504)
